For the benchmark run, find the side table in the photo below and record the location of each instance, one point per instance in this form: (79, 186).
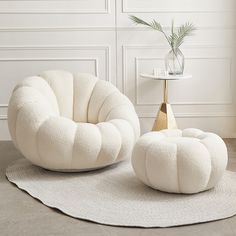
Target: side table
(165, 117)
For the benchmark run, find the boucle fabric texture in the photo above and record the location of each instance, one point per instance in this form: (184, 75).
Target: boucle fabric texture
(71, 122)
(187, 161)
(114, 196)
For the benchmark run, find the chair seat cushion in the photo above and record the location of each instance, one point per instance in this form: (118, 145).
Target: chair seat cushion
(187, 161)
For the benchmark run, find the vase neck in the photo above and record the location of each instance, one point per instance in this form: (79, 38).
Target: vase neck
(175, 49)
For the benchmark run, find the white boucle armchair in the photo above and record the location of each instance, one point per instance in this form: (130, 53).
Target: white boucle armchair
(67, 122)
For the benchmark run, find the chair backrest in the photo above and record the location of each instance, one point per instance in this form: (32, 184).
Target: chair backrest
(83, 97)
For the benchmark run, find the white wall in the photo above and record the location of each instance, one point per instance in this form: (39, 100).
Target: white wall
(96, 36)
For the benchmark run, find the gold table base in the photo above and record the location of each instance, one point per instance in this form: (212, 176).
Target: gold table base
(165, 117)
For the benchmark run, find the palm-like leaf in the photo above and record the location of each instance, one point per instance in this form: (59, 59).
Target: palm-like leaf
(157, 26)
(154, 25)
(139, 21)
(174, 39)
(184, 31)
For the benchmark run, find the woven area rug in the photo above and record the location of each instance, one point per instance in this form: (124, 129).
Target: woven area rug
(114, 196)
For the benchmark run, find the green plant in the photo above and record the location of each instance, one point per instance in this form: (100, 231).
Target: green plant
(176, 37)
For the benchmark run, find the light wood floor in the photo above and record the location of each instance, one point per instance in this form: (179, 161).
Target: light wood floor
(22, 215)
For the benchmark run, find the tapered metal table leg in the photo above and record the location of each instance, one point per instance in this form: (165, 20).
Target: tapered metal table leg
(165, 117)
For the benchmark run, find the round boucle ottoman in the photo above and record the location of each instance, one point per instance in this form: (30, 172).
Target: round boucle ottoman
(176, 161)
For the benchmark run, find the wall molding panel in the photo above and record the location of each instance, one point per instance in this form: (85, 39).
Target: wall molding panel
(48, 7)
(3, 111)
(97, 36)
(100, 28)
(191, 115)
(168, 6)
(137, 58)
(3, 117)
(215, 102)
(133, 55)
(47, 48)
